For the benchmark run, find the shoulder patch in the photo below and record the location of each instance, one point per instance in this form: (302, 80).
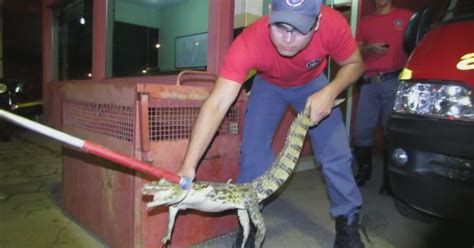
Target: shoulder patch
(398, 23)
(313, 63)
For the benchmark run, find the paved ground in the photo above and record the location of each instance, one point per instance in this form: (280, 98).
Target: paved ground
(30, 179)
(298, 218)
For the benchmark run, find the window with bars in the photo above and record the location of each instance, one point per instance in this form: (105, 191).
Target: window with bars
(174, 123)
(106, 119)
(165, 122)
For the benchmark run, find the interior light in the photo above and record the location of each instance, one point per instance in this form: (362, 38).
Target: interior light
(157, 45)
(89, 74)
(144, 71)
(82, 21)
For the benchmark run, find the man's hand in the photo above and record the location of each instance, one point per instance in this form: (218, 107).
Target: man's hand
(320, 105)
(190, 173)
(377, 48)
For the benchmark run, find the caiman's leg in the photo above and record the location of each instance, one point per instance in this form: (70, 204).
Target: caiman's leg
(171, 218)
(258, 222)
(245, 223)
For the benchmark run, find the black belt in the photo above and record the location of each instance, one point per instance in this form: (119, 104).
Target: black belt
(380, 77)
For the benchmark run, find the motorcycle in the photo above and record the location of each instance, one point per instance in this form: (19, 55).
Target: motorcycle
(11, 92)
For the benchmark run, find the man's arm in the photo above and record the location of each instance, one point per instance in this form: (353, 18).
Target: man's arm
(210, 117)
(321, 102)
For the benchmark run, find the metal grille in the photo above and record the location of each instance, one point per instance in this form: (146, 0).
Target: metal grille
(106, 119)
(174, 123)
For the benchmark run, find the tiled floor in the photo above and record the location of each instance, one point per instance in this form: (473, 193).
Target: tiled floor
(30, 216)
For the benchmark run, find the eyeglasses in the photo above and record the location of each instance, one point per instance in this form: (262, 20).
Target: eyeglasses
(282, 28)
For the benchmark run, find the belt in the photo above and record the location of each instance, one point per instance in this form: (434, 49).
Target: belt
(380, 77)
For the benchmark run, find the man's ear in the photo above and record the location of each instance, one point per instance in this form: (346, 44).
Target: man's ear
(318, 22)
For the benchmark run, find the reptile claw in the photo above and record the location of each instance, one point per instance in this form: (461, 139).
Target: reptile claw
(165, 240)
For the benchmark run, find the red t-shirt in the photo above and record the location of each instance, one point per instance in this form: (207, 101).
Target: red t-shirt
(388, 28)
(253, 49)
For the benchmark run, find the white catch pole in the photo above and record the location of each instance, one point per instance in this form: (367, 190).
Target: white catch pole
(52, 133)
(96, 149)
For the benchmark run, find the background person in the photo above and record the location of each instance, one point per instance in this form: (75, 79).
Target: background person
(380, 38)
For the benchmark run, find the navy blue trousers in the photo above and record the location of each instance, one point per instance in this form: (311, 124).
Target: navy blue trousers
(375, 103)
(266, 105)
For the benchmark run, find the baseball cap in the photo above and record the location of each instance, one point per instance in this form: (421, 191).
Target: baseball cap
(301, 14)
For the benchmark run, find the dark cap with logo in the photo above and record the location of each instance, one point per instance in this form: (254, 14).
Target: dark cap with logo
(301, 14)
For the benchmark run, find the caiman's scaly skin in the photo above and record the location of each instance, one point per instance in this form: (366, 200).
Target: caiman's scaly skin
(216, 197)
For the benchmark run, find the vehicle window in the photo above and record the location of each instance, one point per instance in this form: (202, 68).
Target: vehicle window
(457, 9)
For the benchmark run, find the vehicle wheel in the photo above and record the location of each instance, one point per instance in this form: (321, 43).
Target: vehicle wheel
(412, 213)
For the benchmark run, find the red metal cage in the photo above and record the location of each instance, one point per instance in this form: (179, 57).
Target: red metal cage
(150, 122)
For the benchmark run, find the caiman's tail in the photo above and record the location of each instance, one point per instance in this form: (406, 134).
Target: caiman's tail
(285, 162)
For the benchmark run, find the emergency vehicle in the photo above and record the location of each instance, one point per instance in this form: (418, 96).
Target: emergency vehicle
(431, 129)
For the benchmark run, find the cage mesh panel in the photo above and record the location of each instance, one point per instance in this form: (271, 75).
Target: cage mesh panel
(176, 122)
(107, 119)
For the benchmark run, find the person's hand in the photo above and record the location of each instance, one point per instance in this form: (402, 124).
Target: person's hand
(190, 173)
(320, 105)
(377, 48)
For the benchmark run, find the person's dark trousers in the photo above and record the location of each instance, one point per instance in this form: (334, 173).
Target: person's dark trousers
(363, 157)
(347, 232)
(385, 188)
(265, 107)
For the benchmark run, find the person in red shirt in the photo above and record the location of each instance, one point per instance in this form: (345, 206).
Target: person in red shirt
(380, 37)
(289, 50)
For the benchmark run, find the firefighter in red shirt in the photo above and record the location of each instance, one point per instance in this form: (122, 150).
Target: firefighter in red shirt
(289, 50)
(380, 37)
